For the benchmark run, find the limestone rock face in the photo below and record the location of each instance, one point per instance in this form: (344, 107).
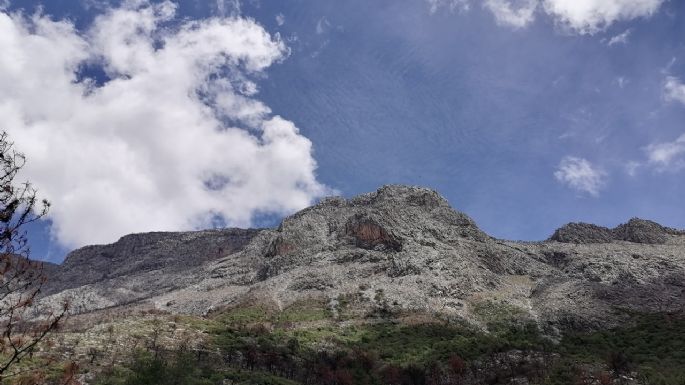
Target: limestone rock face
(139, 266)
(635, 230)
(582, 233)
(643, 231)
(404, 242)
(370, 235)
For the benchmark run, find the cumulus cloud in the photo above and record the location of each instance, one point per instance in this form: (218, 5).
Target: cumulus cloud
(513, 15)
(674, 90)
(621, 38)
(452, 5)
(577, 16)
(579, 174)
(667, 155)
(591, 16)
(171, 138)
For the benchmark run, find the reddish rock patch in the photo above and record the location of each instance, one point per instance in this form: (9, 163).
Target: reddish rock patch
(368, 234)
(280, 247)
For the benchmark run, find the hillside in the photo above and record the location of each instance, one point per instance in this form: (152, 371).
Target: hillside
(387, 271)
(405, 241)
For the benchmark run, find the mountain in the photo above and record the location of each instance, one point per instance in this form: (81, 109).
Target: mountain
(399, 248)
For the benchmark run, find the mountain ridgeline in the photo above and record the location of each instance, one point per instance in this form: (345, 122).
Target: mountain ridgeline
(404, 242)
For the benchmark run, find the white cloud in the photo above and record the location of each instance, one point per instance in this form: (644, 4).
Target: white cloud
(667, 69)
(621, 38)
(452, 5)
(322, 25)
(228, 7)
(667, 155)
(632, 167)
(622, 81)
(674, 90)
(576, 16)
(513, 15)
(591, 16)
(280, 19)
(174, 139)
(579, 174)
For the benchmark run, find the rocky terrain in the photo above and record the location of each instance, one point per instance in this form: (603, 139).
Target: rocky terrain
(401, 248)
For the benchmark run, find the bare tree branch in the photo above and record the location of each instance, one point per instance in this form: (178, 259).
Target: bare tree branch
(21, 278)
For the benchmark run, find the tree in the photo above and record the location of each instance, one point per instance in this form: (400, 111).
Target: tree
(21, 279)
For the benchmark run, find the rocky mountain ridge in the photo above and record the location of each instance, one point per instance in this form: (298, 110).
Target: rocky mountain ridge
(636, 230)
(400, 248)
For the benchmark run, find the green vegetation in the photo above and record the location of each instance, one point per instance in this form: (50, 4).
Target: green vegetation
(304, 311)
(35, 370)
(494, 313)
(652, 345)
(304, 344)
(308, 311)
(427, 343)
(182, 368)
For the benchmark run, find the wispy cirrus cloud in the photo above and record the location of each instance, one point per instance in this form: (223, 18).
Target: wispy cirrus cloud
(228, 7)
(667, 156)
(581, 17)
(580, 175)
(452, 5)
(513, 15)
(621, 38)
(674, 90)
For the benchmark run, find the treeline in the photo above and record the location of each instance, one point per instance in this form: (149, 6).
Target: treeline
(432, 354)
(428, 360)
(301, 345)
(259, 365)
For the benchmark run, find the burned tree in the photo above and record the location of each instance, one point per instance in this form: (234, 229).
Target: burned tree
(21, 279)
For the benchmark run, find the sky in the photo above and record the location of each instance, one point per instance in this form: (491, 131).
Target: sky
(177, 115)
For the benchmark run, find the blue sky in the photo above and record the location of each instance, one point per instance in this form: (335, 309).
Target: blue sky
(525, 115)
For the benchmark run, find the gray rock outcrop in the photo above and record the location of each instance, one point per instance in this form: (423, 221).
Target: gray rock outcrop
(406, 243)
(582, 233)
(636, 230)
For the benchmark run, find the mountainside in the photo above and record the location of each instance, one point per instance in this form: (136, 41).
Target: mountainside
(397, 249)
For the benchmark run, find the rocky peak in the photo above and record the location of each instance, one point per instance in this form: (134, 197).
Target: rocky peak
(642, 231)
(636, 230)
(401, 195)
(382, 219)
(580, 232)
